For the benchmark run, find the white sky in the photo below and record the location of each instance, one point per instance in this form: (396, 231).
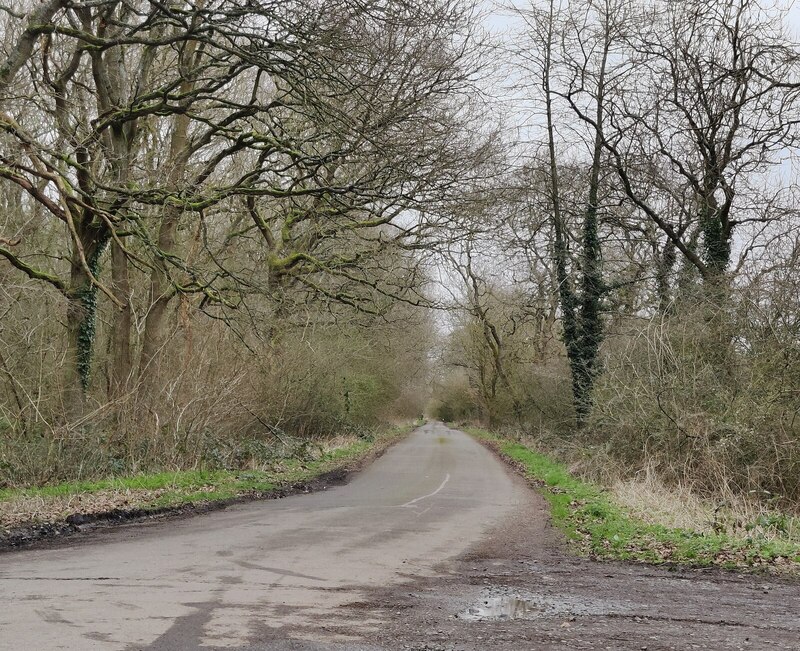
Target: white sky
(500, 22)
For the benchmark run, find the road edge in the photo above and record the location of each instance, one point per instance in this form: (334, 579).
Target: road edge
(39, 535)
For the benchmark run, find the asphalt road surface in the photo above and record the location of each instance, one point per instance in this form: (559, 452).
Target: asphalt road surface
(434, 547)
(264, 573)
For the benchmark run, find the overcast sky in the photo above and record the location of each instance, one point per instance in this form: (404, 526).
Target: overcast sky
(499, 20)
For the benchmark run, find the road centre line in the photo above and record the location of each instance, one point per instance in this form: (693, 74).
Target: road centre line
(446, 479)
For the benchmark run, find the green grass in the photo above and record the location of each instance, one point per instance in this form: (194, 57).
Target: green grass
(599, 528)
(193, 486)
(183, 480)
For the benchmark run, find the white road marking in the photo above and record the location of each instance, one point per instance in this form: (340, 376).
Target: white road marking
(424, 497)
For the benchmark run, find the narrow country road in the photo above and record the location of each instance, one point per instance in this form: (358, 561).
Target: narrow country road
(421, 551)
(261, 571)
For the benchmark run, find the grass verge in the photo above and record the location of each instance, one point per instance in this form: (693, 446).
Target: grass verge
(598, 527)
(142, 494)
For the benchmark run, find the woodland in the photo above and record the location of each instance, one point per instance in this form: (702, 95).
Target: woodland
(228, 226)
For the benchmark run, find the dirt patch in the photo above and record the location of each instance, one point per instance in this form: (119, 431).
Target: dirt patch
(27, 532)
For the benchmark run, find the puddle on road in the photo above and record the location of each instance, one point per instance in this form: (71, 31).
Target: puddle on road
(498, 608)
(506, 607)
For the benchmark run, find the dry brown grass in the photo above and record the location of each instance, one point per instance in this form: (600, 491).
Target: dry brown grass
(650, 500)
(737, 516)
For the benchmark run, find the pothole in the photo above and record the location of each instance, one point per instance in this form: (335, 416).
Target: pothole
(501, 608)
(505, 607)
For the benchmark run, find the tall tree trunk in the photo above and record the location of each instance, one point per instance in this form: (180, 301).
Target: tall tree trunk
(590, 329)
(566, 295)
(121, 360)
(580, 315)
(161, 293)
(82, 314)
(162, 289)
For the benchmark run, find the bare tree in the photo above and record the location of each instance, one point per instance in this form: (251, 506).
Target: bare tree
(154, 129)
(702, 114)
(566, 51)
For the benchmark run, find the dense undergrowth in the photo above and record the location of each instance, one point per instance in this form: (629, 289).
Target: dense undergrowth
(82, 456)
(712, 404)
(216, 407)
